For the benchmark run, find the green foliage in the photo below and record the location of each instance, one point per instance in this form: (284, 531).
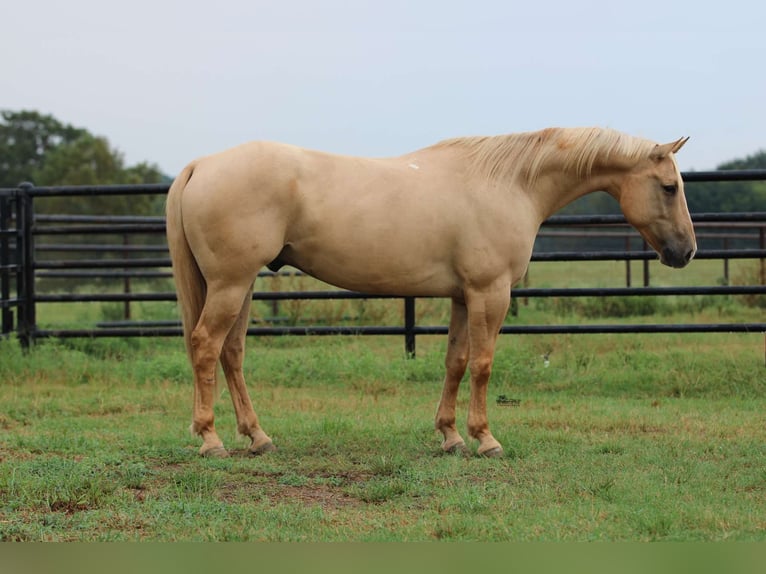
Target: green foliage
(599, 307)
(752, 275)
(730, 196)
(88, 160)
(26, 139)
(40, 149)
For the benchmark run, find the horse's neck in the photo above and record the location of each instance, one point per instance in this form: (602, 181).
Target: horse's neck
(556, 189)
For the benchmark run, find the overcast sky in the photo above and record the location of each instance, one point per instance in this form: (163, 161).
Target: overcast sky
(167, 81)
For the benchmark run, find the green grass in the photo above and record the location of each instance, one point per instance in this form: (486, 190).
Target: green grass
(656, 437)
(617, 437)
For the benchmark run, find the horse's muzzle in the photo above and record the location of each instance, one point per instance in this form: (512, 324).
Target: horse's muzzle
(677, 258)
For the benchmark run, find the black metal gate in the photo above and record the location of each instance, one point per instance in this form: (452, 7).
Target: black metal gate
(22, 236)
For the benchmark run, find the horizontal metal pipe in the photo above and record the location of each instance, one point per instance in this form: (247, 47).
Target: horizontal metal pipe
(109, 248)
(724, 175)
(619, 219)
(160, 331)
(115, 229)
(102, 263)
(353, 295)
(88, 190)
(103, 297)
(76, 218)
(157, 223)
(644, 255)
(66, 274)
(639, 291)
(162, 188)
(73, 274)
(549, 256)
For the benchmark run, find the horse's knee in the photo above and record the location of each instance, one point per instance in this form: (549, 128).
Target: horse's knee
(481, 368)
(456, 366)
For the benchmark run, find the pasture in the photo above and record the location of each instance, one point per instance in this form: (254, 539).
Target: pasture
(621, 437)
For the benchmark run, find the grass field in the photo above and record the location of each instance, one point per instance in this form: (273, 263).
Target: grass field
(640, 438)
(623, 437)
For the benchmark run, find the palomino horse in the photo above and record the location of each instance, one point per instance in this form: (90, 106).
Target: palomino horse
(457, 219)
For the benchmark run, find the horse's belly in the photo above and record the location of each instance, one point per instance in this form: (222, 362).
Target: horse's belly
(401, 272)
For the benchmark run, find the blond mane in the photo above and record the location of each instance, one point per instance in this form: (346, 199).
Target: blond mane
(527, 155)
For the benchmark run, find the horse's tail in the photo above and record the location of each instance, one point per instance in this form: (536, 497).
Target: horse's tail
(190, 284)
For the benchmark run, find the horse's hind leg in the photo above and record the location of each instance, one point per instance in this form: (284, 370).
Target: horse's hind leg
(455, 363)
(221, 311)
(232, 356)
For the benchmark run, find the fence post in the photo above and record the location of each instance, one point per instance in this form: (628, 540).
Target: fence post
(409, 326)
(5, 265)
(646, 266)
(25, 219)
(762, 242)
(627, 261)
(126, 280)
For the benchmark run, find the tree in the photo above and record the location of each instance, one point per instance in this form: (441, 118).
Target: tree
(26, 137)
(87, 160)
(730, 196)
(41, 149)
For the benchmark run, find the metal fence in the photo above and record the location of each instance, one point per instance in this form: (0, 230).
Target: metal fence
(28, 256)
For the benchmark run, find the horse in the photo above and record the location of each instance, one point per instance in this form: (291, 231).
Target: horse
(457, 219)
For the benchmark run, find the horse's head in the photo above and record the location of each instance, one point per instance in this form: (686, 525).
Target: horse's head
(651, 196)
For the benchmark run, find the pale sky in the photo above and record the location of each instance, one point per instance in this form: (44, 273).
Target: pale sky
(167, 81)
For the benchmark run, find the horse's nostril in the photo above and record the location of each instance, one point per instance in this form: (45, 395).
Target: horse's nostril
(689, 255)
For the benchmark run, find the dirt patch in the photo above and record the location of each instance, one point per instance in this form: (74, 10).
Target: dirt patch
(322, 495)
(327, 492)
(69, 506)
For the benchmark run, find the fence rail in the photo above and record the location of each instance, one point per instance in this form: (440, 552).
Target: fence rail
(22, 267)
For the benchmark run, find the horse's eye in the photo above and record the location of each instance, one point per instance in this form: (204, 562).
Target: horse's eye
(670, 189)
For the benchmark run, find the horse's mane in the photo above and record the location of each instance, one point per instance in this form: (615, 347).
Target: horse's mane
(526, 155)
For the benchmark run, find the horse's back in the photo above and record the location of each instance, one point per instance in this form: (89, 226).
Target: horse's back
(403, 225)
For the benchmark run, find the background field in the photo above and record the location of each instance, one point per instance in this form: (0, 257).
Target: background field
(622, 437)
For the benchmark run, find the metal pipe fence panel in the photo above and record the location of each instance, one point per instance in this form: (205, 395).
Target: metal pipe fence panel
(83, 248)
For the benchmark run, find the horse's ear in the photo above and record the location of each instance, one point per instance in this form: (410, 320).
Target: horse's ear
(679, 143)
(662, 151)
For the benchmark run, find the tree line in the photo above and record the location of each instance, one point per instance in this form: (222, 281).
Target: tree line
(40, 149)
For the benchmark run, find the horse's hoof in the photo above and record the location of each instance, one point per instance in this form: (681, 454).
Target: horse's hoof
(215, 452)
(262, 449)
(459, 449)
(495, 452)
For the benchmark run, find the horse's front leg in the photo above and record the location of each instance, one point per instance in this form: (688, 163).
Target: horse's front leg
(486, 312)
(455, 363)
